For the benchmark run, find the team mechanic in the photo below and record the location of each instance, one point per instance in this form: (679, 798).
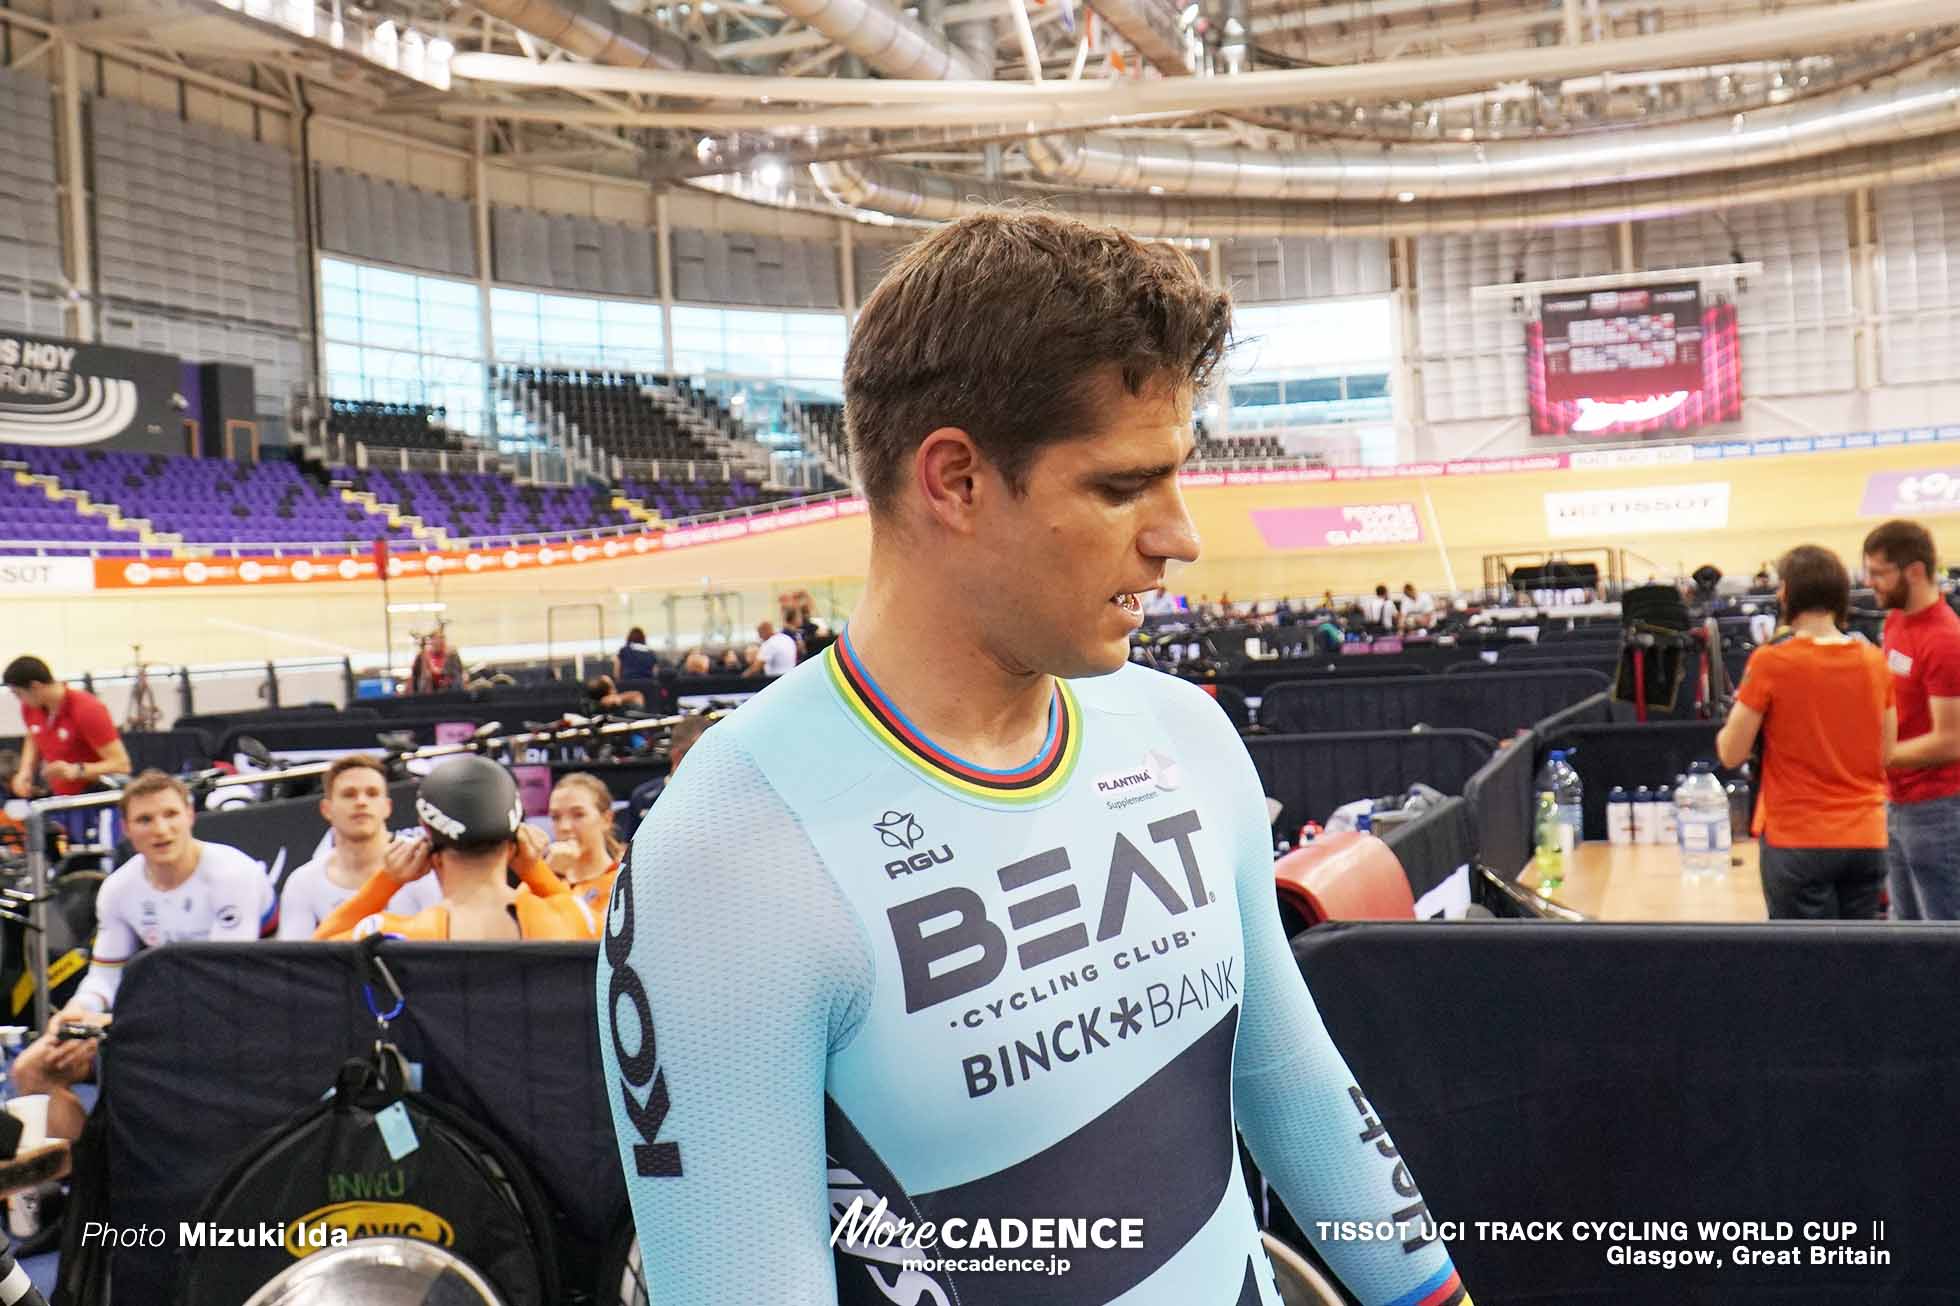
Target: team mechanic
(969, 915)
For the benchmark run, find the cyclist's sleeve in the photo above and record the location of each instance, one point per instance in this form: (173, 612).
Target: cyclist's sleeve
(731, 969)
(1309, 1126)
(115, 943)
(370, 899)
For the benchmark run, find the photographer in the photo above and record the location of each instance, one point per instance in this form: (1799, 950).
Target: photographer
(473, 836)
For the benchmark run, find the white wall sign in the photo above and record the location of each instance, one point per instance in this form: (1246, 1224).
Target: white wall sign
(1650, 509)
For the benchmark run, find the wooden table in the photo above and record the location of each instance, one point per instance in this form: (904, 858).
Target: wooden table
(1643, 882)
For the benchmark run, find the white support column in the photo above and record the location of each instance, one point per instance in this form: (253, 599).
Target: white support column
(1572, 22)
(1405, 390)
(663, 236)
(847, 270)
(480, 212)
(1627, 261)
(1864, 291)
(72, 175)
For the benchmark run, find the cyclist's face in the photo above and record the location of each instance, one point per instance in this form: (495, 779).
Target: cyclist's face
(159, 826)
(359, 806)
(575, 819)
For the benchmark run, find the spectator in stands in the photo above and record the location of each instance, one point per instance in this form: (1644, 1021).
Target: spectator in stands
(437, 668)
(1160, 602)
(1823, 705)
(1418, 608)
(736, 660)
(1381, 611)
(585, 853)
(176, 889)
(473, 837)
(697, 663)
(635, 661)
(355, 803)
(1922, 647)
(70, 737)
(607, 696)
(776, 656)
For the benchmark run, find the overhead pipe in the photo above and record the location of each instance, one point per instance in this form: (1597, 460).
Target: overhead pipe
(910, 59)
(1372, 172)
(909, 196)
(1152, 27)
(593, 29)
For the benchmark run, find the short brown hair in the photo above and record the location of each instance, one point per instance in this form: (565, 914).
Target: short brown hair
(1814, 581)
(1903, 543)
(149, 783)
(351, 762)
(1005, 324)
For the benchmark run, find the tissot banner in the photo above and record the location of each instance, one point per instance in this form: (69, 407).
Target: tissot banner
(64, 394)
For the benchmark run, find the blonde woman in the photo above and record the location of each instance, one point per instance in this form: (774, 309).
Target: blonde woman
(585, 853)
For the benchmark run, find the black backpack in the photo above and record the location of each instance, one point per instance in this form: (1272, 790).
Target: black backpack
(373, 1159)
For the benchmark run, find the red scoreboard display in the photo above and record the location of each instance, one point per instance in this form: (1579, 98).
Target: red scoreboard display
(1645, 358)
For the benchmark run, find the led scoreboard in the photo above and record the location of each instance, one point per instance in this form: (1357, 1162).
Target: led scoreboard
(1623, 344)
(1630, 360)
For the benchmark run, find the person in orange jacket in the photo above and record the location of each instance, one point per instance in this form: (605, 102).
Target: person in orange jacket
(472, 837)
(586, 851)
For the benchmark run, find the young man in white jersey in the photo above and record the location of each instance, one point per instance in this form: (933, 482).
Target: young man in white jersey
(968, 925)
(354, 801)
(176, 889)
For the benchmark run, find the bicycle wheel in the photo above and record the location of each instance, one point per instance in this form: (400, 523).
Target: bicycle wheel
(622, 1280)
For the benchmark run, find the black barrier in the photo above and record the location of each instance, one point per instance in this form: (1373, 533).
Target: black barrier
(284, 832)
(1311, 775)
(174, 751)
(1500, 799)
(216, 1043)
(1596, 710)
(1498, 704)
(1631, 754)
(1434, 846)
(1661, 1074)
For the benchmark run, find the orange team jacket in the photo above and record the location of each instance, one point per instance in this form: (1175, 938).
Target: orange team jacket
(596, 892)
(546, 910)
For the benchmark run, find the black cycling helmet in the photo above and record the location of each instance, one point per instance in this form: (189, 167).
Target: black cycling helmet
(469, 802)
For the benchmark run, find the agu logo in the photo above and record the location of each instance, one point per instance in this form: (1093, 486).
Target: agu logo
(314, 1230)
(899, 830)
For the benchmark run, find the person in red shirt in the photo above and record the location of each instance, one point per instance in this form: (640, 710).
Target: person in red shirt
(1922, 651)
(70, 735)
(1823, 704)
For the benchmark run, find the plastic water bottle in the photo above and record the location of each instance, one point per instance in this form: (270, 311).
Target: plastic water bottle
(1549, 856)
(1667, 824)
(1703, 811)
(1561, 781)
(1741, 807)
(1571, 800)
(1619, 816)
(1643, 815)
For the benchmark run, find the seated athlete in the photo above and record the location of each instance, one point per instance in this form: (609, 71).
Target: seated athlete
(473, 836)
(586, 852)
(971, 916)
(175, 889)
(354, 800)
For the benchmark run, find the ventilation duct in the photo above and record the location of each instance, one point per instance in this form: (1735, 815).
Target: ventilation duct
(1152, 27)
(913, 194)
(1372, 172)
(896, 46)
(593, 29)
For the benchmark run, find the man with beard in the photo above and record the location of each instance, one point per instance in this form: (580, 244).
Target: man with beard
(1922, 649)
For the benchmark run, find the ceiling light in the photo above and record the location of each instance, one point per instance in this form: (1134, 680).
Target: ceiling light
(1189, 16)
(1406, 197)
(704, 148)
(770, 174)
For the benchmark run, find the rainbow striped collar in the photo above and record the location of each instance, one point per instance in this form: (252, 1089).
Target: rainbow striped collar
(1040, 778)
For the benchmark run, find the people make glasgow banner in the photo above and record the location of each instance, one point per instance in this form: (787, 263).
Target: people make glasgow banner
(64, 393)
